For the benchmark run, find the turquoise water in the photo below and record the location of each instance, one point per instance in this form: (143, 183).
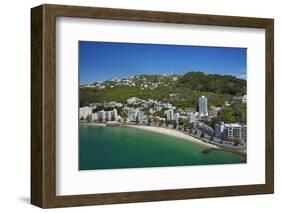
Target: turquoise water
(126, 147)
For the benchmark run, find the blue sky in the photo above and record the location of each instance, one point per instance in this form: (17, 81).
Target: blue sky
(100, 61)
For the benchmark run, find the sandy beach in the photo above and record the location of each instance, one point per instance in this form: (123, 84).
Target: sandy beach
(174, 133)
(93, 124)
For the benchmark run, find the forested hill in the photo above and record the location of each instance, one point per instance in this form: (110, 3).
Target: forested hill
(180, 90)
(223, 84)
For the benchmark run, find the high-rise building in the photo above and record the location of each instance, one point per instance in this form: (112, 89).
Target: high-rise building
(141, 116)
(232, 131)
(113, 114)
(190, 117)
(95, 117)
(219, 129)
(203, 106)
(108, 115)
(132, 114)
(101, 115)
(170, 114)
(135, 115)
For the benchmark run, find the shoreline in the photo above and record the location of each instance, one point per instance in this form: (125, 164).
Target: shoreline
(174, 133)
(177, 134)
(93, 124)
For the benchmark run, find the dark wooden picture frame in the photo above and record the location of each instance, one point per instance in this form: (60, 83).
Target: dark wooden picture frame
(43, 105)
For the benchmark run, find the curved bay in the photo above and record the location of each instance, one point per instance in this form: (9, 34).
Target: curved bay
(124, 147)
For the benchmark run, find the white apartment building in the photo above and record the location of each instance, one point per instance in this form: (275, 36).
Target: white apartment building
(232, 131)
(94, 117)
(203, 106)
(101, 115)
(85, 112)
(190, 117)
(114, 114)
(131, 114)
(135, 114)
(107, 115)
(141, 116)
(170, 114)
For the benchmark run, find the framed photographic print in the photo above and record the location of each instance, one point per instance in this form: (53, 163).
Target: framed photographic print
(136, 106)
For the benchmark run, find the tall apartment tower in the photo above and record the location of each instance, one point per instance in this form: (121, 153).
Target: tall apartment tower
(203, 106)
(170, 115)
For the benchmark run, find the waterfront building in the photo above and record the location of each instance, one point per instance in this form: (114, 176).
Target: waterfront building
(203, 106)
(170, 114)
(113, 114)
(131, 114)
(101, 115)
(135, 115)
(107, 115)
(232, 131)
(140, 116)
(219, 129)
(94, 117)
(85, 112)
(244, 133)
(190, 117)
(205, 128)
(176, 117)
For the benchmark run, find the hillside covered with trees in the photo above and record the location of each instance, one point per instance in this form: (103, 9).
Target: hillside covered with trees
(222, 84)
(181, 91)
